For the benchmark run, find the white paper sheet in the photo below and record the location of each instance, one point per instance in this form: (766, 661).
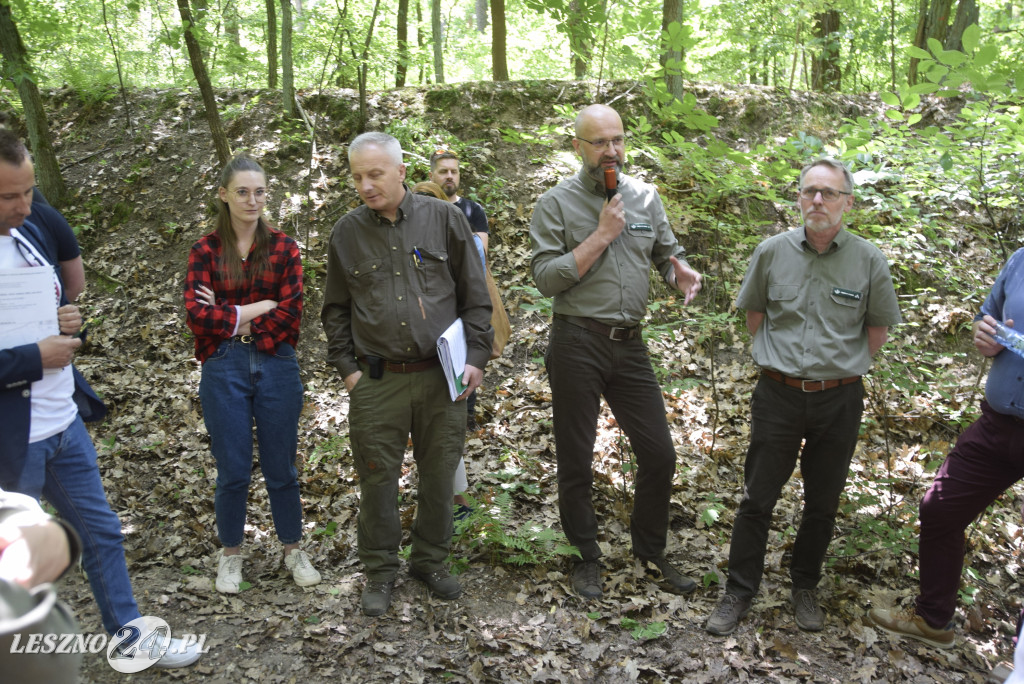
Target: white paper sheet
(28, 305)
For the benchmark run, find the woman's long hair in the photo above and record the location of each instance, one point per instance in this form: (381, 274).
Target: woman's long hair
(230, 262)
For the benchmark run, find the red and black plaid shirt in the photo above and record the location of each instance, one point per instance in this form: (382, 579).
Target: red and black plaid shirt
(281, 282)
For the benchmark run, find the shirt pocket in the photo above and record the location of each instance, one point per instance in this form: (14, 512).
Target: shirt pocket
(574, 236)
(848, 310)
(368, 280)
(432, 273)
(783, 301)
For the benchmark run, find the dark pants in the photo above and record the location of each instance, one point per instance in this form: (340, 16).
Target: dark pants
(987, 459)
(582, 366)
(782, 417)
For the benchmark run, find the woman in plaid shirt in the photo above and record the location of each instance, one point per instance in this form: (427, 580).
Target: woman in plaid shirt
(243, 293)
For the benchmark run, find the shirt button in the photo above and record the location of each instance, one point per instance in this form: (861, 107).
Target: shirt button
(356, 272)
(374, 267)
(394, 248)
(399, 298)
(398, 273)
(408, 349)
(403, 324)
(26, 393)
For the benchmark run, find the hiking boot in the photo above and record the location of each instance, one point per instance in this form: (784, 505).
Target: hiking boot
(809, 616)
(377, 597)
(586, 579)
(229, 573)
(907, 623)
(671, 580)
(727, 615)
(441, 584)
(303, 572)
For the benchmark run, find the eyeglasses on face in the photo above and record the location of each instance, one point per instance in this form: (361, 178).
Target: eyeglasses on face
(259, 194)
(617, 141)
(827, 194)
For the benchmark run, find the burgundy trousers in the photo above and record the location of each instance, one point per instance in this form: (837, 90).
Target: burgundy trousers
(988, 458)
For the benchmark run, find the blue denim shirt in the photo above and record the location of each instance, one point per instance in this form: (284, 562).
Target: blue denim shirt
(1004, 390)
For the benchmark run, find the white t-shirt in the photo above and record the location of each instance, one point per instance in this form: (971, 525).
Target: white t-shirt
(53, 408)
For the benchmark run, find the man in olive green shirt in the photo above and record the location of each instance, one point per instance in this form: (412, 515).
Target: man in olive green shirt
(819, 304)
(593, 256)
(400, 270)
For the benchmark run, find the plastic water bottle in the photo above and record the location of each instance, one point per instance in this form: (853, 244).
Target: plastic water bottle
(1010, 338)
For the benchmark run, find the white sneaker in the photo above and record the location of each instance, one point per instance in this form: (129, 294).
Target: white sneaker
(303, 572)
(229, 573)
(179, 655)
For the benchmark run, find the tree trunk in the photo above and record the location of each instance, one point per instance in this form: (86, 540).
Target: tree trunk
(272, 44)
(287, 72)
(481, 16)
(420, 41)
(932, 22)
(672, 11)
(579, 40)
(499, 51)
(437, 39)
(195, 56)
(826, 75)
(402, 66)
(364, 65)
(18, 69)
(229, 13)
(966, 14)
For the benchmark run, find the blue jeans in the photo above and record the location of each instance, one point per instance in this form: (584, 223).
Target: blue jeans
(241, 385)
(62, 468)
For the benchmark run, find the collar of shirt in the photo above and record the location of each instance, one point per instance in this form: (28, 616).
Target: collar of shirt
(404, 208)
(837, 242)
(591, 185)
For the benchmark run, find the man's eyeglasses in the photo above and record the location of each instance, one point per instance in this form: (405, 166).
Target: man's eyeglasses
(259, 194)
(617, 141)
(827, 194)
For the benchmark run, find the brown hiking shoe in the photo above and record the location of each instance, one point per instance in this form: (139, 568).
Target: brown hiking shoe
(907, 623)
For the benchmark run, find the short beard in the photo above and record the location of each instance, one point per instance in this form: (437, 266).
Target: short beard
(597, 171)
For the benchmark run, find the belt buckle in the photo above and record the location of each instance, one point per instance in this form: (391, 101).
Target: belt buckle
(614, 332)
(803, 386)
(245, 339)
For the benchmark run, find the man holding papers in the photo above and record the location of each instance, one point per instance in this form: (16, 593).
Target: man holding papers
(595, 237)
(400, 270)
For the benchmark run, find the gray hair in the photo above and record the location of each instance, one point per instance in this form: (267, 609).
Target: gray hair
(386, 142)
(830, 162)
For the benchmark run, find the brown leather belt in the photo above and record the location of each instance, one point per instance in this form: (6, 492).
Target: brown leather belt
(808, 385)
(614, 333)
(400, 367)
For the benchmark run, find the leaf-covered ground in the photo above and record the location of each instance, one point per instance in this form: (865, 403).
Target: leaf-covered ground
(142, 200)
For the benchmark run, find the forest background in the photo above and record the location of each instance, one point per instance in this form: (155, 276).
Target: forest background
(131, 108)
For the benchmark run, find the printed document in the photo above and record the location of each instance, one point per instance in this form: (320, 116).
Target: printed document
(28, 305)
(451, 349)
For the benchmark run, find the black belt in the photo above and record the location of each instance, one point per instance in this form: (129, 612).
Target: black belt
(809, 385)
(244, 339)
(404, 367)
(614, 333)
